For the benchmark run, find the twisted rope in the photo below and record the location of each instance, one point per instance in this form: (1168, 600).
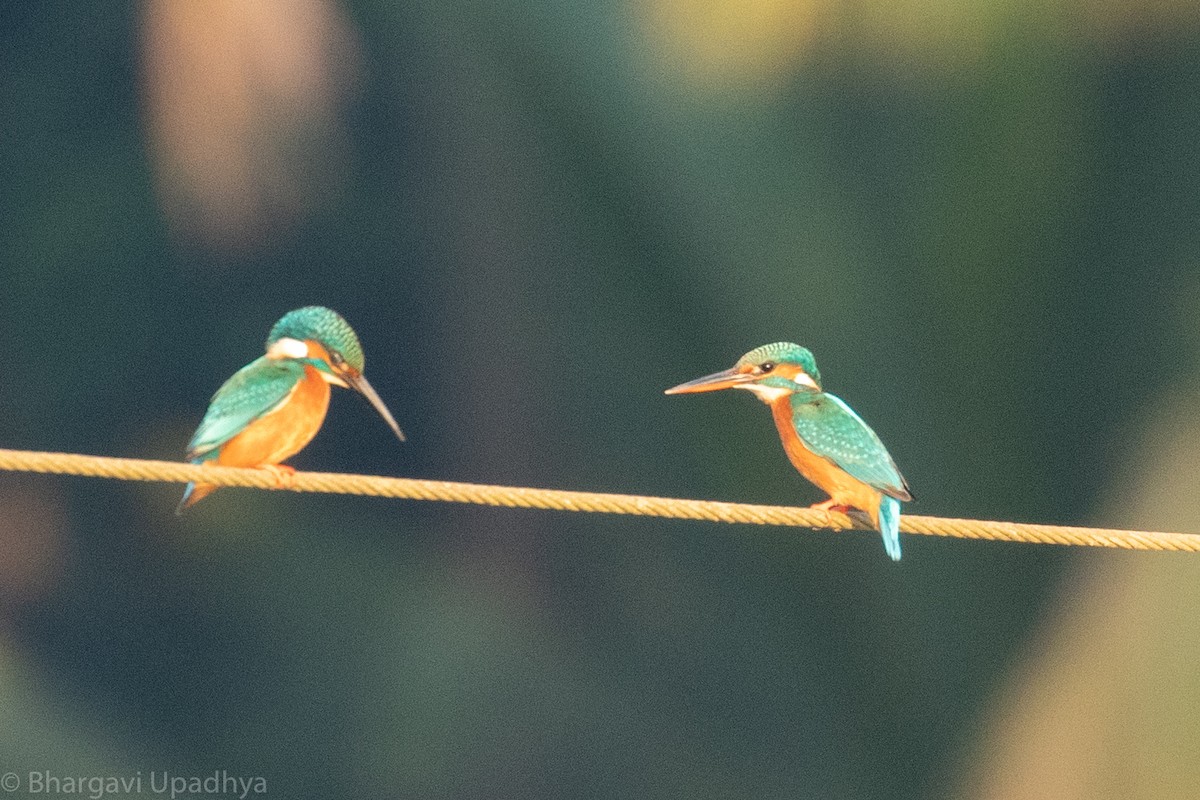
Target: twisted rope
(560, 500)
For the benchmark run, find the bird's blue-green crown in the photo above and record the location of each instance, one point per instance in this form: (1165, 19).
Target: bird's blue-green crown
(322, 325)
(783, 353)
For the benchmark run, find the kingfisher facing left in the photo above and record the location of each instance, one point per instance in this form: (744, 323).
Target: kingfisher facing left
(272, 407)
(824, 439)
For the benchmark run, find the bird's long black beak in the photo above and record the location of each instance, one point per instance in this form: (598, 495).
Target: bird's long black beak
(726, 379)
(359, 384)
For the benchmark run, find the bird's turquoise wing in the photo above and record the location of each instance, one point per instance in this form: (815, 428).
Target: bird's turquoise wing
(831, 429)
(251, 392)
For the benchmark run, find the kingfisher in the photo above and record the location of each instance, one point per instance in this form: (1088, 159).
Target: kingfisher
(824, 439)
(272, 407)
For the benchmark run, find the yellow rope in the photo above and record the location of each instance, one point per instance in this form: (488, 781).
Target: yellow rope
(520, 497)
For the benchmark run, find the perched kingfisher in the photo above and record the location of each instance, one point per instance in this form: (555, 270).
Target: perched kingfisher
(272, 407)
(825, 440)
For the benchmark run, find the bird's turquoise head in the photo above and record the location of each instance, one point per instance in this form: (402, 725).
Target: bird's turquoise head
(320, 338)
(770, 372)
(323, 326)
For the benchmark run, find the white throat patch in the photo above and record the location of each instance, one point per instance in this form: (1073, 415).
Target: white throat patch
(768, 394)
(330, 378)
(288, 348)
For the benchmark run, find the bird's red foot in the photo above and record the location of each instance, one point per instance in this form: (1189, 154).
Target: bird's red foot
(284, 475)
(831, 505)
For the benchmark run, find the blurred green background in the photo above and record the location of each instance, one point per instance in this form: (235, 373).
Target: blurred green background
(981, 216)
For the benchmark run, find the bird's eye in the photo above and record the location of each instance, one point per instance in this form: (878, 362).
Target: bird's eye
(336, 359)
(766, 366)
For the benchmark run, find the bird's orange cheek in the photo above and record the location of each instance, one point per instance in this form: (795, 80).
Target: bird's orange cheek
(789, 371)
(317, 350)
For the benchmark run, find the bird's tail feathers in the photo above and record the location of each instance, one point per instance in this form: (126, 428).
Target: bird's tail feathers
(889, 526)
(194, 493)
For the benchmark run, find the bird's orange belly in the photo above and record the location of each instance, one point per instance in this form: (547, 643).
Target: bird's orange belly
(282, 433)
(843, 487)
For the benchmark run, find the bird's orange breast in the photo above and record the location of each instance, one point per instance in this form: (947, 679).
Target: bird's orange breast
(280, 434)
(843, 487)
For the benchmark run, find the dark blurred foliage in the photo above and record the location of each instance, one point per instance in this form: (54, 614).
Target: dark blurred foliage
(537, 215)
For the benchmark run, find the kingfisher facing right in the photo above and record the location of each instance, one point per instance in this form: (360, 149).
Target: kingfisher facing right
(824, 439)
(272, 407)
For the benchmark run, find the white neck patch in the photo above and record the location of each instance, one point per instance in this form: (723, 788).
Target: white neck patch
(288, 348)
(768, 394)
(804, 379)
